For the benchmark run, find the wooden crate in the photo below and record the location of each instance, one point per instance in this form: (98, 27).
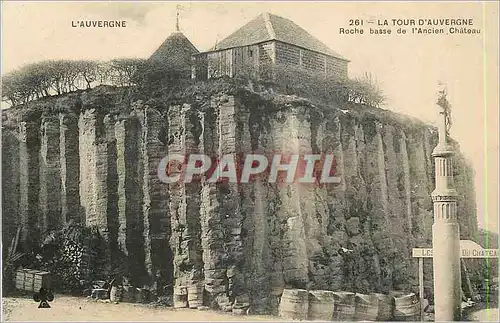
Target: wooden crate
(20, 279)
(32, 280)
(42, 279)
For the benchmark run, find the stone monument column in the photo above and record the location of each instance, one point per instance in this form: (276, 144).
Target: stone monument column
(445, 230)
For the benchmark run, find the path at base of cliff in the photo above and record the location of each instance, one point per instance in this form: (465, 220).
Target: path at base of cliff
(66, 308)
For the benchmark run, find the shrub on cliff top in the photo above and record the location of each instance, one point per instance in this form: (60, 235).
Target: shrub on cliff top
(295, 80)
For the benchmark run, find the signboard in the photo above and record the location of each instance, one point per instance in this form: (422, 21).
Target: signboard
(468, 249)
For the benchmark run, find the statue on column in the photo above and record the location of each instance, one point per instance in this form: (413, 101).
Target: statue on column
(446, 112)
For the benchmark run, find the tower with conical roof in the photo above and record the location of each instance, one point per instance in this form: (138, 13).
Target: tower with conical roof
(175, 53)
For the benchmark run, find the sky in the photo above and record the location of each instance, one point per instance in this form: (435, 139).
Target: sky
(407, 67)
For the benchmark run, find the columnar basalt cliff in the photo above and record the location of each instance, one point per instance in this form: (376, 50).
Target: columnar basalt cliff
(93, 157)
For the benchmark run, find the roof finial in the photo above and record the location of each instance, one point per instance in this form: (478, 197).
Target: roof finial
(177, 19)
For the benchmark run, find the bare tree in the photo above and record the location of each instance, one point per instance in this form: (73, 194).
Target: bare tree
(10, 88)
(89, 71)
(124, 69)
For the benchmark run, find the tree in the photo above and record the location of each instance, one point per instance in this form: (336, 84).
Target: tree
(42, 79)
(123, 70)
(89, 71)
(10, 88)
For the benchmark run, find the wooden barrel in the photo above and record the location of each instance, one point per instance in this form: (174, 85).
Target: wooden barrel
(240, 310)
(294, 304)
(195, 295)
(396, 293)
(406, 308)
(385, 307)
(321, 305)
(128, 294)
(180, 297)
(345, 306)
(366, 307)
(116, 293)
(99, 293)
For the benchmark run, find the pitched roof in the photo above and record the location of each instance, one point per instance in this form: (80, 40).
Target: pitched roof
(266, 27)
(176, 50)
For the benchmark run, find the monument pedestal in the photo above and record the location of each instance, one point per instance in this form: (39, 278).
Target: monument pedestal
(447, 280)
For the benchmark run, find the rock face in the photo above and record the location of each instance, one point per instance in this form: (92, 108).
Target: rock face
(244, 242)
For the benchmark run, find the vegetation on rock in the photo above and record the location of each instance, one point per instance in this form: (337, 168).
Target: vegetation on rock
(56, 77)
(156, 78)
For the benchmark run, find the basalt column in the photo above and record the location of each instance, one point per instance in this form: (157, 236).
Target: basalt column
(266, 276)
(87, 153)
(97, 180)
(362, 268)
(398, 215)
(185, 137)
(421, 202)
(445, 230)
(328, 273)
(291, 138)
(105, 157)
(378, 206)
(10, 184)
(212, 231)
(29, 147)
(158, 254)
(129, 224)
(50, 176)
(105, 187)
(247, 199)
(229, 133)
(70, 167)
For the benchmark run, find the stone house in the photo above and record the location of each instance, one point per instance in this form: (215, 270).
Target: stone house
(268, 40)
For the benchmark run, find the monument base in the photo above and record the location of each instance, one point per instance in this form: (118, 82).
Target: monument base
(447, 279)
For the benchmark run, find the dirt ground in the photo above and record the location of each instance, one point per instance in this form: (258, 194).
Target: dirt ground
(67, 308)
(485, 315)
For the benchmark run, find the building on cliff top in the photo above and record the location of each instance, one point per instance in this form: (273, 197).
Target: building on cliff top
(175, 53)
(268, 40)
(176, 50)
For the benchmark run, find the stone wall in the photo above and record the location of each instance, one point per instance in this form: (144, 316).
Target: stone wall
(336, 66)
(254, 61)
(244, 242)
(290, 55)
